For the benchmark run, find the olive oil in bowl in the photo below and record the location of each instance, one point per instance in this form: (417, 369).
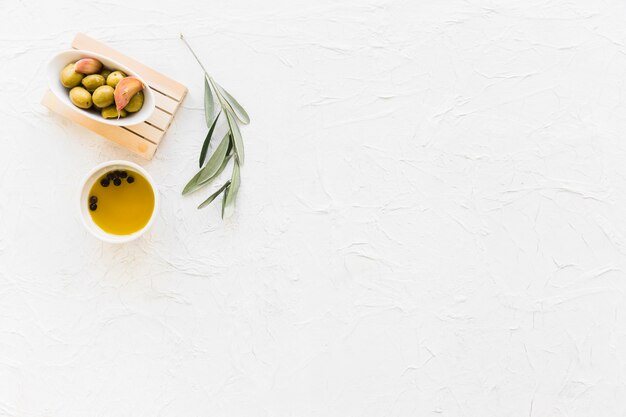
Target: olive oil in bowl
(121, 202)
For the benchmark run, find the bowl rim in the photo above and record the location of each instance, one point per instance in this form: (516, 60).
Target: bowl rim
(92, 227)
(133, 119)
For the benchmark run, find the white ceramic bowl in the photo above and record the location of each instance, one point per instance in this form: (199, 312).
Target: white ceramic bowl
(90, 180)
(60, 60)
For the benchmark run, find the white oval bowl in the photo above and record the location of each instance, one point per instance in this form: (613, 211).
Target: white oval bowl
(60, 60)
(88, 182)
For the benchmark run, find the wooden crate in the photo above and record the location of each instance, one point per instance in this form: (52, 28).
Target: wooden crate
(142, 139)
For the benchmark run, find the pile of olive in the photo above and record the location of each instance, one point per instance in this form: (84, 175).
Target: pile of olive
(93, 87)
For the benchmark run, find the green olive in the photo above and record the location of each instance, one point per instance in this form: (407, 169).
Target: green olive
(93, 81)
(69, 77)
(103, 96)
(80, 97)
(135, 104)
(111, 112)
(115, 78)
(105, 73)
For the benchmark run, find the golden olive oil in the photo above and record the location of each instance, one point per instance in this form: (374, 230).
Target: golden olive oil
(121, 209)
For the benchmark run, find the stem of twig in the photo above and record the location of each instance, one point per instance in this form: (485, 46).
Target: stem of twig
(194, 54)
(206, 74)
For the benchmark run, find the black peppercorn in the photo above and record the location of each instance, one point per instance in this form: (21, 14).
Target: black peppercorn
(104, 182)
(123, 174)
(93, 206)
(117, 182)
(93, 199)
(130, 180)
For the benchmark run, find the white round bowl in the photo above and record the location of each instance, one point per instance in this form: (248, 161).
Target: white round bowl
(90, 180)
(60, 60)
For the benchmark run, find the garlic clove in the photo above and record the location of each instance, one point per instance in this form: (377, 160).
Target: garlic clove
(88, 66)
(125, 90)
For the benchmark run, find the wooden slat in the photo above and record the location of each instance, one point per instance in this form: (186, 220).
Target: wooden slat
(149, 132)
(164, 102)
(160, 119)
(152, 77)
(121, 136)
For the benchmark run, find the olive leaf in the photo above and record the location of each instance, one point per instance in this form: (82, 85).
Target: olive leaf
(194, 184)
(237, 141)
(224, 200)
(211, 168)
(230, 145)
(205, 145)
(231, 190)
(212, 196)
(216, 159)
(201, 184)
(234, 105)
(209, 104)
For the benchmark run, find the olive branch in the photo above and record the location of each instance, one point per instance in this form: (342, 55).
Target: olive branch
(230, 146)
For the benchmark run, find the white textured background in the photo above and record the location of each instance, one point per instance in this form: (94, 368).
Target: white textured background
(432, 219)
